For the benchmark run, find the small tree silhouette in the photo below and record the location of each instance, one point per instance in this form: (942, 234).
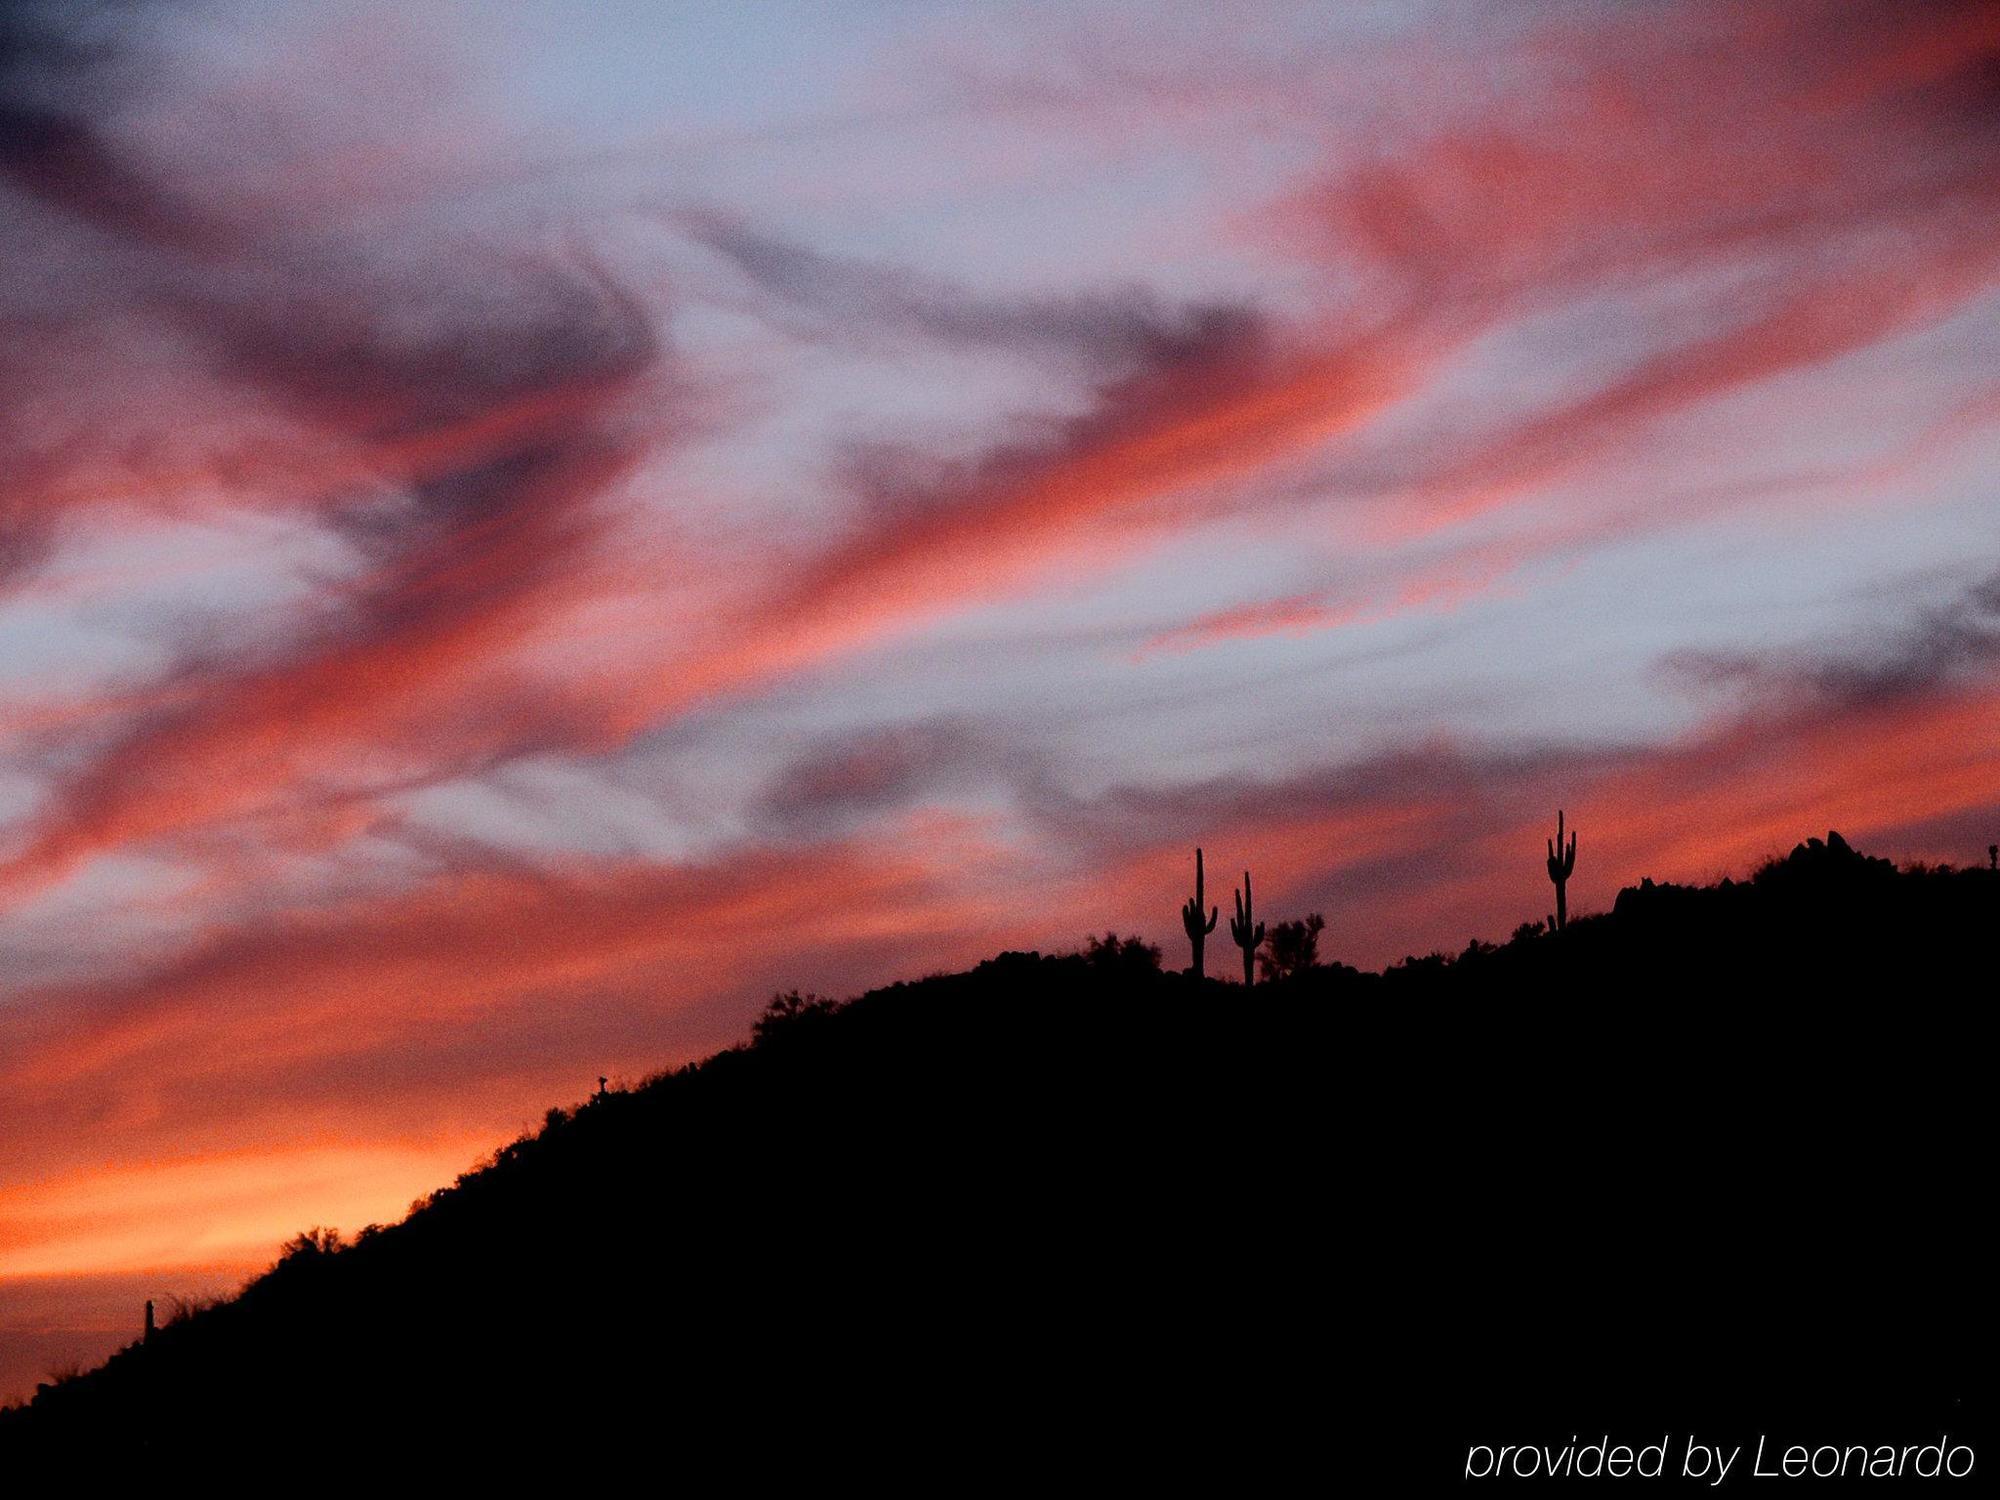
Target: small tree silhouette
(181, 1309)
(1191, 919)
(1128, 955)
(311, 1244)
(788, 1012)
(1562, 860)
(1294, 948)
(1247, 931)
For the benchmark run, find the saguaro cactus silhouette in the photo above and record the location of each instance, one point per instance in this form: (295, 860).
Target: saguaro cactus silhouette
(1247, 930)
(1191, 918)
(1562, 860)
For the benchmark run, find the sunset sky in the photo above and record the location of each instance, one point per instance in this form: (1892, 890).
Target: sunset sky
(526, 526)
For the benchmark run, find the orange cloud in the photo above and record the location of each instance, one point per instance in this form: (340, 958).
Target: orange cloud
(380, 690)
(1432, 588)
(1203, 420)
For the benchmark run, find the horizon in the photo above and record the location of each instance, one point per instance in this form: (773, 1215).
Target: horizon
(527, 533)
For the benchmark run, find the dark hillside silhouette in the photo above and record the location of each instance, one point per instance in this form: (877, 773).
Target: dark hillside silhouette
(1714, 1157)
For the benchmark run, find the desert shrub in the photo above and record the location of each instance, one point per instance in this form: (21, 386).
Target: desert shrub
(180, 1309)
(1128, 955)
(788, 1012)
(310, 1244)
(1292, 948)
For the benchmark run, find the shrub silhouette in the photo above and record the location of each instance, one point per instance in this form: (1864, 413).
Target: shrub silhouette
(1246, 931)
(786, 1016)
(1129, 955)
(1293, 948)
(311, 1244)
(1562, 862)
(1191, 919)
(185, 1309)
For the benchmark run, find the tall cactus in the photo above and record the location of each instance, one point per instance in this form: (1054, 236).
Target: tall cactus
(1247, 930)
(1191, 918)
(1562, 861)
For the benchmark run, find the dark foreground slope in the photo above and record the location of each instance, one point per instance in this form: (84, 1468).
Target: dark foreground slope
(1714, 1160)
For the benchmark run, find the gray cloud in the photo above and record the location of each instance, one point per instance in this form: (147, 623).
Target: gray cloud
(1936, 648)
(1939, 646)
(870, 302)
(842, 780)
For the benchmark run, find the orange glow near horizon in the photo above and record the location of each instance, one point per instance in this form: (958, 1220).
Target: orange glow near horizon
(232, 1208)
